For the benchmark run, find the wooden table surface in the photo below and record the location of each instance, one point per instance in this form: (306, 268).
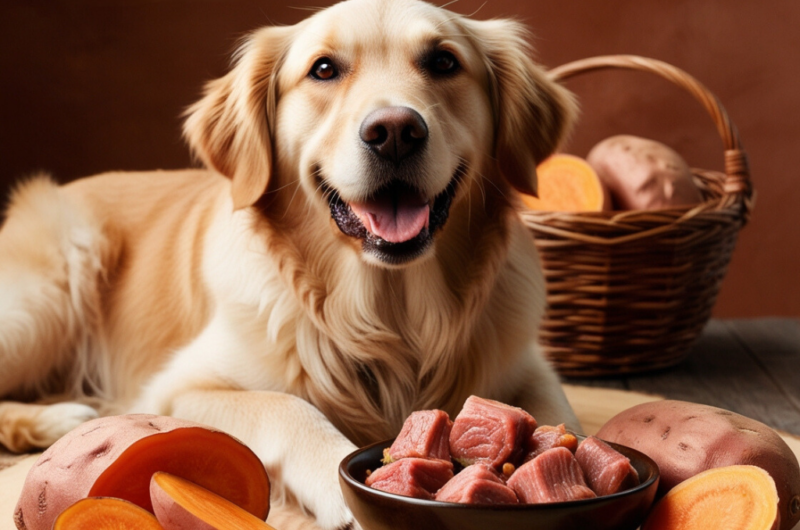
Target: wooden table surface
(747, 366)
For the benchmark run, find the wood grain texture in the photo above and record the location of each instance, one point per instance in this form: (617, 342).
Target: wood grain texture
(774, 343)
(747, 366)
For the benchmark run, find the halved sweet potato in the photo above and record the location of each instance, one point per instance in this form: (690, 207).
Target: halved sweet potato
(568, 183)
(733, 498)
(116, 456)
(105, 513)
(183, 505)
(686, 439)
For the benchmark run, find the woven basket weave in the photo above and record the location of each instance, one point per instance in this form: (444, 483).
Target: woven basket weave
(630, 291)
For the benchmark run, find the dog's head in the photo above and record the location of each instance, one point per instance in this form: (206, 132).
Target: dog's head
(381, 111)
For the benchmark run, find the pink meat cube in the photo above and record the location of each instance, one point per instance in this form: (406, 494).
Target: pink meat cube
(491, 432)
(412, 477)
(606, 470)
(477, 484)
(425, 434)
(553, 476)
(547, 437)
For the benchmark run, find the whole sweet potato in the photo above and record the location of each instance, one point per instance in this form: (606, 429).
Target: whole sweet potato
(685, 439)
(643, 174)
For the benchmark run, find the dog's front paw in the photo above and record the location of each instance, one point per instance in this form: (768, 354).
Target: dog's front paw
(57, 420)
(352, 525)
(336, 515)
(343, 520)
(26, 426)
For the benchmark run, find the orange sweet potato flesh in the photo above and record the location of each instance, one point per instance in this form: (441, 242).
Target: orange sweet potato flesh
(686, 438)
(568, 184)
(183, 505)
(105, 513)
(733, 498)
(116, 456)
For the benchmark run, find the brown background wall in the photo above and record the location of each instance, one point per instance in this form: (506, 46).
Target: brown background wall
(93, 85)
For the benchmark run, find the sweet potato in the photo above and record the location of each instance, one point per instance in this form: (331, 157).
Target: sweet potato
(116, 456)
(643, 174)
(183, 505)
(733, 498)
(568, 184)
(105, 513)
(686, 439)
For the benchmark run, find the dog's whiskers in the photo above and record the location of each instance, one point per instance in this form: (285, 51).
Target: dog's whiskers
(476, 11)
(291, 201)
(312, 9)
(457, 15)
(485, 178)
(448, 4)
(432, 106)
(326, 193)
(296, 181)
(425, 107)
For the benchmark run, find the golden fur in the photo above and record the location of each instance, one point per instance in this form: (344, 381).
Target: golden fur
(228, 295)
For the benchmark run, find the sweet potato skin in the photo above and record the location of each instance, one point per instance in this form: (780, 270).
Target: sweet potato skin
(686, 439)
(643, 174)
(68, 470)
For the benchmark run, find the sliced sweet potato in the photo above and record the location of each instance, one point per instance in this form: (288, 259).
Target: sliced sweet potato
(105, 513)
(116, 456)
(183, 505)
(568, 184)
(733, 498)
(685, 439)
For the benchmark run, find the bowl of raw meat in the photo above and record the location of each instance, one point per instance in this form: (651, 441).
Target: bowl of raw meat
(494, 467)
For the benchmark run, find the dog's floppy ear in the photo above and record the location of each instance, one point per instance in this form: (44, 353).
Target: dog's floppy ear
(532, 113)
(229, 128)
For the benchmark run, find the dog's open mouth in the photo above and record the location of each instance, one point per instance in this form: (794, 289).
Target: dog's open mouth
(397, 223)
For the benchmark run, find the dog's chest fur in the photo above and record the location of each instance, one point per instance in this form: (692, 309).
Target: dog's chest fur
(368, 345)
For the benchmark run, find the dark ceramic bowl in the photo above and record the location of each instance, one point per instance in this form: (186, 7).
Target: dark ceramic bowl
(378, 510)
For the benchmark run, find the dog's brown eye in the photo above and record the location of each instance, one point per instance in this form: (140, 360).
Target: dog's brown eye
(324, 69)
(444, 62)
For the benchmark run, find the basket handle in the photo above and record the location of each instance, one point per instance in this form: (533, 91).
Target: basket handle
(737, 170)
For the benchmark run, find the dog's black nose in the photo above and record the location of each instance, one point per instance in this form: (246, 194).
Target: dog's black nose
(394, 133)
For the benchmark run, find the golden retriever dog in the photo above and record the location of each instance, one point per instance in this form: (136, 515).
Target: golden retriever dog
(352, 251)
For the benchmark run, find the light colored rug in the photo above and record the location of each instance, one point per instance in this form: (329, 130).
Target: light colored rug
(594, 406)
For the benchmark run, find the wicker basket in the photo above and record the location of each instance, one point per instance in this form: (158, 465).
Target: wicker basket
(630, 291)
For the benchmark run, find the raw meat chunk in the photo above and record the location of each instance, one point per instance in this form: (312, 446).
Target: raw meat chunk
(425, 434)
(491, 432)
(606, 470)
(553, 476)
(547, 437)
(412, 477)
(477, 484)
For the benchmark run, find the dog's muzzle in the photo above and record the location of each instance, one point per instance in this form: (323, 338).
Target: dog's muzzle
(396, 223)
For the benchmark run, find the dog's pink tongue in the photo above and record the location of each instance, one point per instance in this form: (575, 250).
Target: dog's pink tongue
(394, 219)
